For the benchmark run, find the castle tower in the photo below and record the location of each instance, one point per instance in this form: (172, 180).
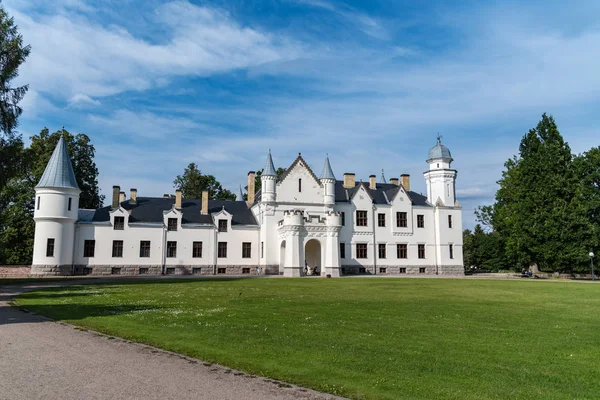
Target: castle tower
(328, 181)
(268, 180)
(441, 177)
(56, 210)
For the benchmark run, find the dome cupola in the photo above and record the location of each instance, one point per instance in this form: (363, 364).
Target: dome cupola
(439, 151)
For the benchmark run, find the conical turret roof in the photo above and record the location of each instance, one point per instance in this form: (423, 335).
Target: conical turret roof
(269, 167)
(327, 171)
(59, 171)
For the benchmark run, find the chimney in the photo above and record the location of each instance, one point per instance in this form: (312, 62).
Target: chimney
(394, 181)
(405, 181)
(166, 196)
(122, 197)
(133, 196)
(250, 188)
(372, 182)
(178, 199)
(204, 202)
(349, 180)
(115, 199)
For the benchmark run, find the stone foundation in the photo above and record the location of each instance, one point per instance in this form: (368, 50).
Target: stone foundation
(52, 270)
(452, 270)
(401, 270)
(14, 270)
(271, 270)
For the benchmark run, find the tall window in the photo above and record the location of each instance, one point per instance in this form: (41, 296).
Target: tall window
(262, 249)
(381, 249)
(381, 220)
(402, 250)
(172, 224)
(451, 248)
(342, 250)
(70, 202)
(197, 250)
(343, 216)
(38, 204)
(246, 250)
(50, 248)
(401, 220)
(222, 250)
(144, 248)
(119, 223)
(449, 221)
(420, 221)
(361, 218)
(421, 251)
(361, 250)
(299, 185)
(117, 250)
(89, 247)
(222, 225)
(171, 249)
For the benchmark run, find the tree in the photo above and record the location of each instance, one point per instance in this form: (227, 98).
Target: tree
(192, 183)
(587, 172)
(258, 181)
(12, 55)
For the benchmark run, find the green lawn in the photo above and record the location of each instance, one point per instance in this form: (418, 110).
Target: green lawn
(363, 338)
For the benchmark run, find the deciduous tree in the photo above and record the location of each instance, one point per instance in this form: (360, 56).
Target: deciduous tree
(192, 183)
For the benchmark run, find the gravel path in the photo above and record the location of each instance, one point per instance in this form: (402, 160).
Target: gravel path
(43, 359)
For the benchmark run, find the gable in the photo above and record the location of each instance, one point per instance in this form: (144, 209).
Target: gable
(361, 198)
(299, 185)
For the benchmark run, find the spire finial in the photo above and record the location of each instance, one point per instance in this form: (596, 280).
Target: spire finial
(383, 176)
(439, 138)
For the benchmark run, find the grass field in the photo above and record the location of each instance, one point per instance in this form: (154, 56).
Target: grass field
(363, 338)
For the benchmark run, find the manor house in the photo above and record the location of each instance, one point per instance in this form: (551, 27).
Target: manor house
(297, 224)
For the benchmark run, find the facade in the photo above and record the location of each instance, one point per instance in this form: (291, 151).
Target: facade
(296, 223)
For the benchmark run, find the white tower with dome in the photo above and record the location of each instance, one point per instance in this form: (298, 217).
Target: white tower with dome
(440, 178)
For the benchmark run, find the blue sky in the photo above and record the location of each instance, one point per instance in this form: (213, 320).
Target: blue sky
(160, 84)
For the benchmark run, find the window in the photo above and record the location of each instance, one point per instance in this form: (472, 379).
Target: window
(381, 250)
(245, 270)
(144, 248)
(382, 270)
(401, 220)
(89, 246)
(221, 270)
(143, 271)
(361, 250)
(361, 218)
(172, 224)
(343, 217)
(38, 204)
(451, 248)
(342, 250)
(170, 271)
(117, 250)
(299, 185)
(381, 220)
(115, 271)
(449, 221)
(421, 251)
(70, 202)
(420, 221)
(402, 250)
(222, 250)
(262, 249)
(50, 248)
(171, 249)
(197, 249)
(119, 223)
(422, 270)
(222, 225)
(196, 271)
(402, 270)
(246, 250)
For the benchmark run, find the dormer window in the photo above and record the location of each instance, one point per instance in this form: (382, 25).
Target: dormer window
(119, 223)
(172, 224)
(222, 225)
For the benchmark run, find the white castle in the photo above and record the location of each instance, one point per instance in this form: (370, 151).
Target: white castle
(296, 225)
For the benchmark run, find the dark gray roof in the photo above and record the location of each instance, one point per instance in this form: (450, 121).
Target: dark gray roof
(150, 209)
(59, 171)
(327, 171)
(439, 151)
(343, 194)
(269, 167)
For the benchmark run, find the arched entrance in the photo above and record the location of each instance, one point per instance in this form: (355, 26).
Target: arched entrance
(282, 257)
(312, 255)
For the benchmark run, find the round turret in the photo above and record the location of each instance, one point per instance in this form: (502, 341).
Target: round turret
(268, 180)
(328, 180)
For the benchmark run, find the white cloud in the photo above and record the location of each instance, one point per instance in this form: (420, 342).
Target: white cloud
(82, 100)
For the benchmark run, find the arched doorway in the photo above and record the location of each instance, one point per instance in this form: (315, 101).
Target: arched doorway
(282, 257)
(312, 255)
